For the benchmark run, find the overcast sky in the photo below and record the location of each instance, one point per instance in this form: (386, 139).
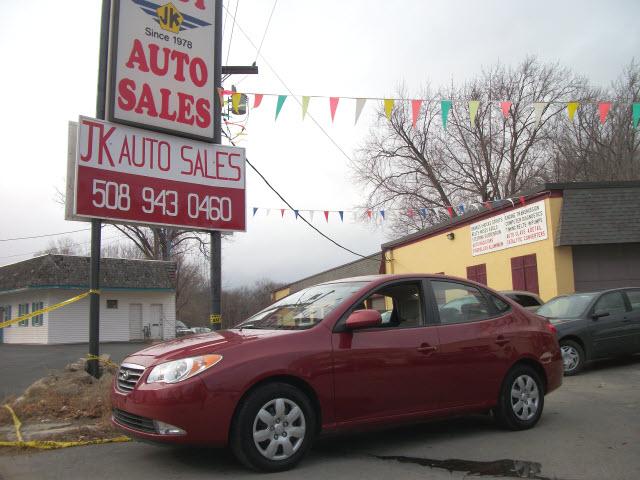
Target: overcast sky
(340, 47)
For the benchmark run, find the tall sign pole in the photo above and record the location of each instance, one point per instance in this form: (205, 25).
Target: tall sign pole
(215, 250)
(93, 367)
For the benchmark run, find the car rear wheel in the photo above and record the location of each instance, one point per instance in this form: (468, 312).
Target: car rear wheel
(572, 357)
(521, 399)
(273, 428)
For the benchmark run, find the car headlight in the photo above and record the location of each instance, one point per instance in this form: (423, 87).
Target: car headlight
(178, 370)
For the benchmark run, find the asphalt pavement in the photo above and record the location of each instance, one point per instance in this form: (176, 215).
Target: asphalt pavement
(21, 365)
(590, 430)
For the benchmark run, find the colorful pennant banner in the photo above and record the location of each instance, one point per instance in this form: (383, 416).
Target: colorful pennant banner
(506, 106)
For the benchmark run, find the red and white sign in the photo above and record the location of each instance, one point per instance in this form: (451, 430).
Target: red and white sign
(161, 66)
(130, 175)
(520, 226)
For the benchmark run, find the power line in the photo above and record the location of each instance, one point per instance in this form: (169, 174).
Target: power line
(232, 29)
(43, 236)
(275, 2)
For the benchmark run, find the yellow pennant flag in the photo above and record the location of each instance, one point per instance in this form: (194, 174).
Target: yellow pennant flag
(305, 106)
(235, 101)
(473, 111)
(571, 109)
(388, 107)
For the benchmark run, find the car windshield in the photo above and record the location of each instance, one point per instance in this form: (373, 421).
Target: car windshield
(571, 306)
(303, 309)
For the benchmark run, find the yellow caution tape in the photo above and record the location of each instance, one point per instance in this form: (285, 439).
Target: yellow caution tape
(51, 444)
(27, 316)
(102, 360)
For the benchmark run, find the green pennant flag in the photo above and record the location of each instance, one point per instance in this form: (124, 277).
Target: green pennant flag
(445, 106)
(281, 99)
(636, 114)
(305, 106)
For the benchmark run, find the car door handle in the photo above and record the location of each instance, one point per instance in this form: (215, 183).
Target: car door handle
(426, 348)
(501, 341)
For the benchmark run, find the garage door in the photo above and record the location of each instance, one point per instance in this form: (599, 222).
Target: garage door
(598, 267)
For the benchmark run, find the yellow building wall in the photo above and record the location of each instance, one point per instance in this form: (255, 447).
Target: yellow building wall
(279, 294)
(439, 254)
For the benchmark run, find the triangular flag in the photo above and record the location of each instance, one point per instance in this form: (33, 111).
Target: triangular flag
(305, 106)
(257, 100)
(333, 105)
(450, 211)
(423, 212)
(221, 97)
(235, 101)
(571, 109)
(604, 107)
(382, 214)
(488, 205)
(341, 213)
(505, 106)
(282, 212)
(326, 215)
(445, 106)
(410, 212)
(297, 213)
(388, 107)
(415, 111)
(281, 99)
(538, 108)
(311, 213)
(636, 114)
(359, 106)
(255, 209)
(369, 214)
(522, 200)
(461, 208)
(473, 111)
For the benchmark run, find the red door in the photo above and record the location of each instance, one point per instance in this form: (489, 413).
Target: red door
(524, 273)
(391, 370)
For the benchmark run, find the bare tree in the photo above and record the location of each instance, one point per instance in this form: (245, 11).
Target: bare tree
(61, 246)
(429, 166)
(587, 150)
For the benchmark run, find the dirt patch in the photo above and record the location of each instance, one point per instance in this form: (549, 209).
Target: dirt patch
(66, 405)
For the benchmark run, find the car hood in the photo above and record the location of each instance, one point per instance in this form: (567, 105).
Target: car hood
(213, 342)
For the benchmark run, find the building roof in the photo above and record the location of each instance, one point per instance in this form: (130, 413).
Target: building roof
(578, 191)
(600, 215)
(68, 271)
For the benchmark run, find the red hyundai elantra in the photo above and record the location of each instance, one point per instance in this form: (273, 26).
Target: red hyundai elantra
(342, 355)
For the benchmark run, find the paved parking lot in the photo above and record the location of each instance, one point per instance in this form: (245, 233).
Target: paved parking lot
(590, 430)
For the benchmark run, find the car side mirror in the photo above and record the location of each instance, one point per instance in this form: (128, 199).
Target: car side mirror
(363, 319)
(599, 314)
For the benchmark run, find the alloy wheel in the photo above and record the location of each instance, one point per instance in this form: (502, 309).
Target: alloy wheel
(279, 429)
(570, 358)
(525, 397)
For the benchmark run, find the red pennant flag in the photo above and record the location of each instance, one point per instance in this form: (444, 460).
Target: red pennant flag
(333, 105)
(221, 96)
(505, 108)
(488, 205)
(257, 100)
(604, 111)
(410, 212)
(326, 215)
(450, 211)
(369, 214)
(282, 212)
(415, 111)
(522, 200)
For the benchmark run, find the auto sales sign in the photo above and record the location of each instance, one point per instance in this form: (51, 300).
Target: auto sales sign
(161, 66)
(125, 174)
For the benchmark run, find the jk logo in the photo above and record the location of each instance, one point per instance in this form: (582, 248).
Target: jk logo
(169, 18)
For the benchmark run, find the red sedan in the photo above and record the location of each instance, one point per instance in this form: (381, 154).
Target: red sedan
(343, 355)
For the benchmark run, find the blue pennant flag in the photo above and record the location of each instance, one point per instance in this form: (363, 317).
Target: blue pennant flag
(296, 212)
(255, 209)
(382, 214)
(461, 208)
(341, 213)
(423, 212)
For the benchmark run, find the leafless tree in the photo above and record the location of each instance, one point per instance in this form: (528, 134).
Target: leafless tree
(61, 246)
(588, 150)
(425, 167)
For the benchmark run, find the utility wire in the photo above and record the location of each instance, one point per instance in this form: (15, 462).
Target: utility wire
(275, 2)
(232, 29)
(43, 236)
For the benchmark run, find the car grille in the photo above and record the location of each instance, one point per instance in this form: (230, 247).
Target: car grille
(128, 376)
(134, 422)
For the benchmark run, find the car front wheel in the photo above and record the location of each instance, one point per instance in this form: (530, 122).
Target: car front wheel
(572, 357)
(521, 399)
(274, 428)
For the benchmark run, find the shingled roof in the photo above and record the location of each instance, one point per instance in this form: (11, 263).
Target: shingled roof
(67, 271)
(599, 214)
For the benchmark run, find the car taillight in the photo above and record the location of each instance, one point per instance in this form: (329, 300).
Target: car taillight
(551, 327)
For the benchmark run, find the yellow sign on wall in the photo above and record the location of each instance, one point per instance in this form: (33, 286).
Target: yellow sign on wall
(215, 319)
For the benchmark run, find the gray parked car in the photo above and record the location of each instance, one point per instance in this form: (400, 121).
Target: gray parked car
(595, 325)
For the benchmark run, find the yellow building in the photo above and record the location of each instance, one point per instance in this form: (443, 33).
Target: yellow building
(555, 240)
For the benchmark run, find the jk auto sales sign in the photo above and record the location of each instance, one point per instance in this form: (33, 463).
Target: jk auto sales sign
(161, 66)
(126, 174)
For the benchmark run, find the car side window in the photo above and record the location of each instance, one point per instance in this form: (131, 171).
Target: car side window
(459, 303)
(612, 302)
(501, 305)
(634, 299)
(527, 300)
(400, 305)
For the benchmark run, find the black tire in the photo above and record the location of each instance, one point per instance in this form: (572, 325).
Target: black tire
(511, 415)
(242, 430)
(576, 349)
